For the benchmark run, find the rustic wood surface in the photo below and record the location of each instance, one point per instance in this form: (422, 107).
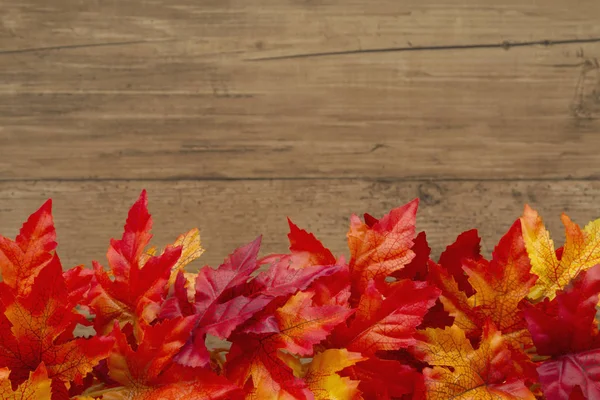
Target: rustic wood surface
(237, 113)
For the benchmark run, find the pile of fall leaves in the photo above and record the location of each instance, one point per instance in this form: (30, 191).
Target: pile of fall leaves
(390, 323)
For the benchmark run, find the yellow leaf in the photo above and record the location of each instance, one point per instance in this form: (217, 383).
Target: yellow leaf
(325, 383)
(461, 372)
(37, 387)
(320, 373)
(580, 252)
(191, 248)
(190, 251)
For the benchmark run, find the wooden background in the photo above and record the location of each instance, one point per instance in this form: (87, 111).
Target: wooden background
(237, 113)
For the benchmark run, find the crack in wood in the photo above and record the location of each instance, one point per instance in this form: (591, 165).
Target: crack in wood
(506, 45)
(72, 47)
(298, 178)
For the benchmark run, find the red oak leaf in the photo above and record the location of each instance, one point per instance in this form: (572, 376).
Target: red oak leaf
(133, 291)
(147, 371)
(38, 327)
(22, 260)
(566, 329)
(378, 249)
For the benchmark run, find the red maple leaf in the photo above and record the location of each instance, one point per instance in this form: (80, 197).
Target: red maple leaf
(227, 297)
(498, 286)
(378, 248)
(37, 387)
(38, 328)
(385, 322)
(387, 313)
(136, 286)
(23, 259)
(566, 330)
(465, 249)
(258, 360)
(147, 371)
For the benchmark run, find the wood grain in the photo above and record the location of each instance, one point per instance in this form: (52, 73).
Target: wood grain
(230, 214)
(236, 113)
(180, 90)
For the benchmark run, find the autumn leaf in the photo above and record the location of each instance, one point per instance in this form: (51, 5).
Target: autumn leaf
(227, 297)
(38, 327)
(386, 322)
(257, 354)
(213, 313)
(23, 259)
(499, 286)
(384, 379)
(387, 314)
(320, 374)
(580, 252)
(460, 372)
(417, 268)
(378, 248)
(148, 372)
(191, 250)
(466, 248)
(455, 301)
(36, 387)
(566, 330)
(132, 291)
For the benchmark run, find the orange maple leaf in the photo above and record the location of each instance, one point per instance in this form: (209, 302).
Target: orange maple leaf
(23, 259)
(380, 247)
(136, 285)
(259, 353)
(149, 372)
(461, 372)
(498, 286)
(38, 328)
(37, 387)
(320, 374)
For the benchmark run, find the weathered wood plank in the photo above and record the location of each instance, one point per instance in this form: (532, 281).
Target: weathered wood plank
(277, 27)
(467, 114)
(179, 97)
(230, 214)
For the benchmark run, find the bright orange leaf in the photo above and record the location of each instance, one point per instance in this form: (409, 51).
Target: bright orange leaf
(148, 372)
(22, 260)
(37, 387)
(259, 354)
(38, 328)
(499, 287)
(137, 284)
(380, 247)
